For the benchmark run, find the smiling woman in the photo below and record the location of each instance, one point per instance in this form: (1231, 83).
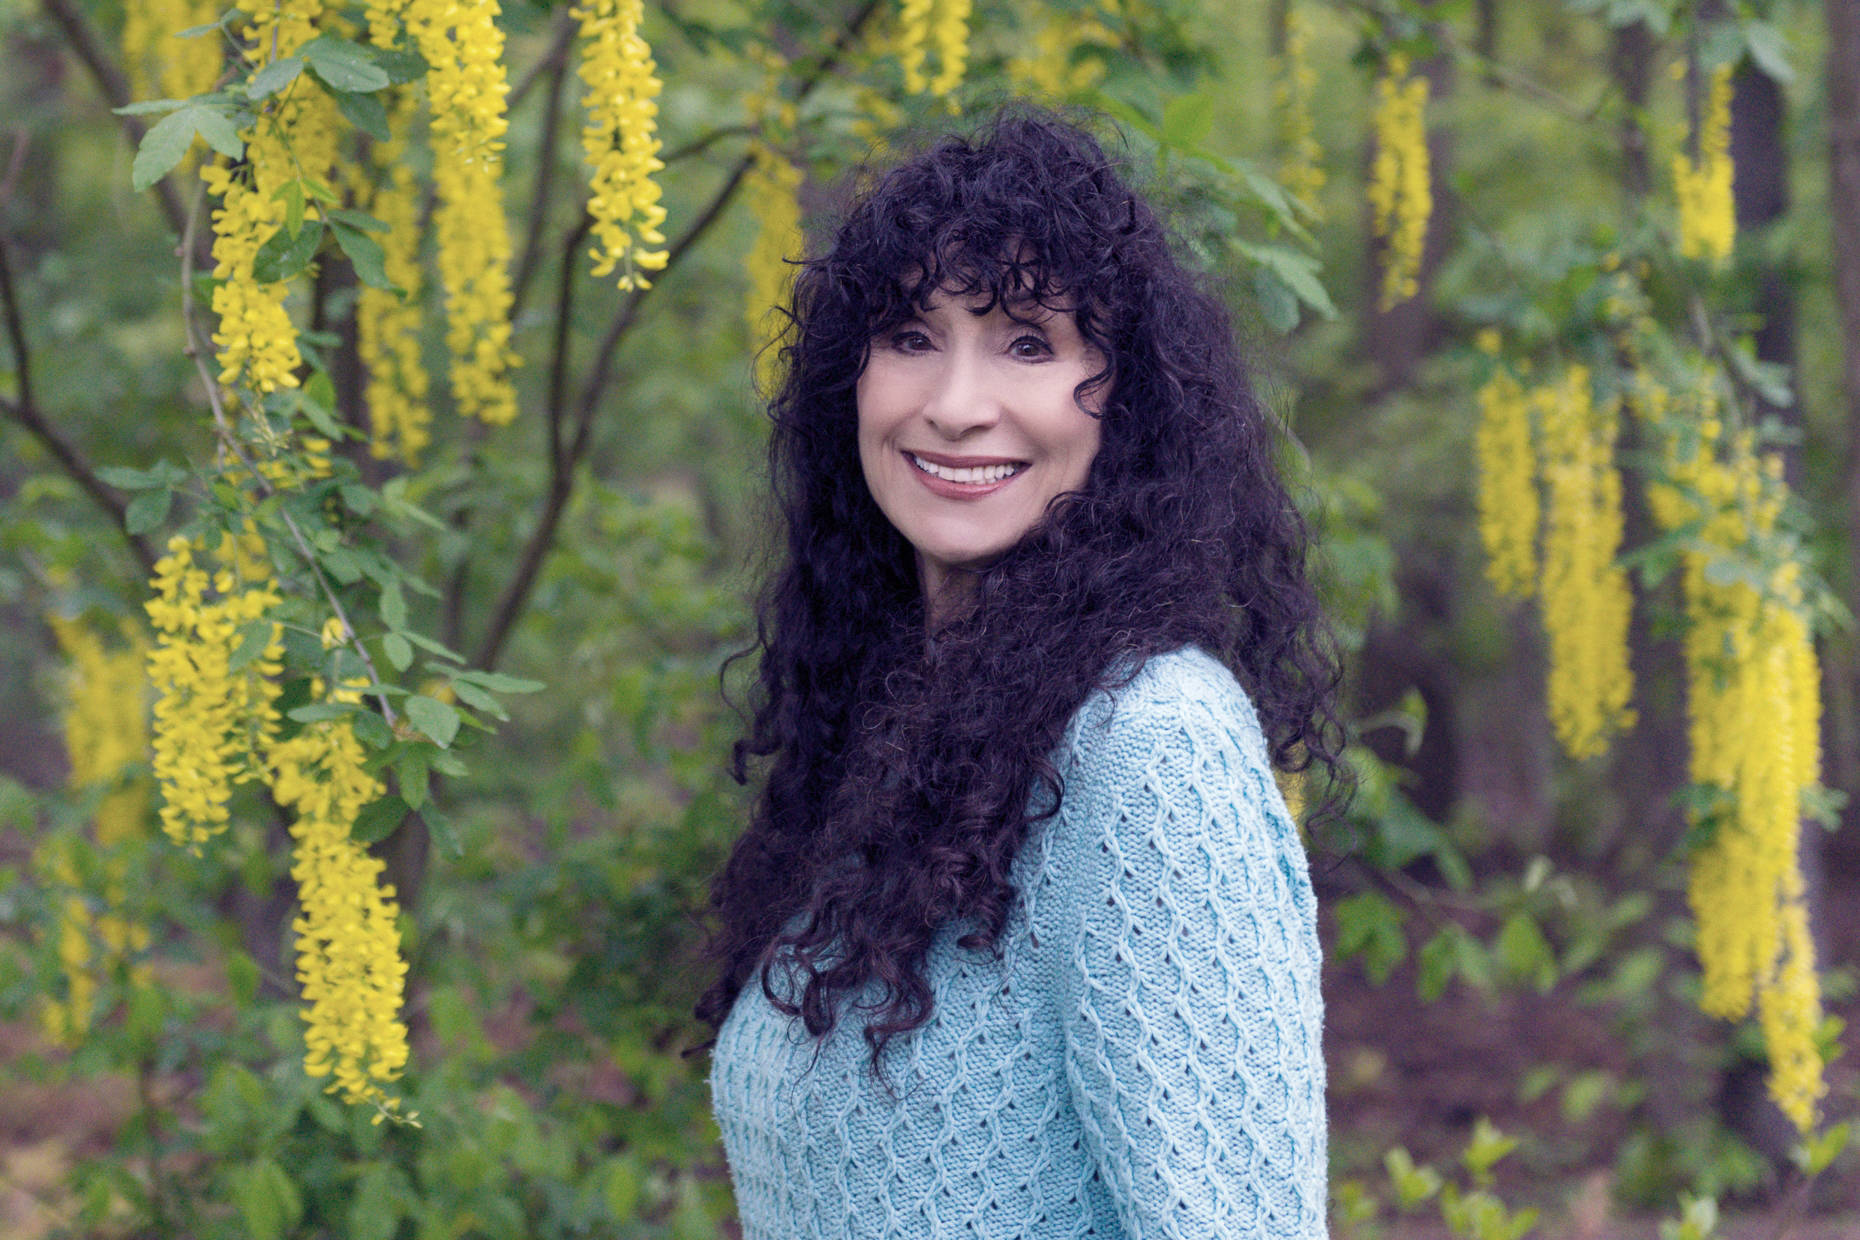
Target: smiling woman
(1019, 941)
(970, 424)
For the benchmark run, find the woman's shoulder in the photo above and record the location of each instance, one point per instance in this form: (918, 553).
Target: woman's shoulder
(1179, 695)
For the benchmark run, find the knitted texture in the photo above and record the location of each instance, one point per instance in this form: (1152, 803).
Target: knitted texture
(1141, 1059)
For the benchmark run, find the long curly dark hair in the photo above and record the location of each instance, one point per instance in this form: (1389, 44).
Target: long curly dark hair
(898, 767)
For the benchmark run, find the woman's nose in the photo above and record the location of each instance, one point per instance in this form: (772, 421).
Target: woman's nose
(961, 399)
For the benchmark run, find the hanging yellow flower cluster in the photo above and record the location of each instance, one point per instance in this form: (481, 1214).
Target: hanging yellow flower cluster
(1707, 217)
(213, 668)
(1294, 84)
(1585, 597)
(387, 323)
(348, 943)
(106, 735)
(944, 23)
(774, 185)
(1754, 700)
(1401, 197)
(466, 86)
(160, 65)
(295, 138)
(621, 140)
(1507, 494)
(1053, 67)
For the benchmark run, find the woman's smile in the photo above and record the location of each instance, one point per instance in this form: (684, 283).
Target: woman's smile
(964, 477)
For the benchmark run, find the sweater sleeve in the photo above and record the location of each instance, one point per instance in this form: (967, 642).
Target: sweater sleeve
(1188, 958)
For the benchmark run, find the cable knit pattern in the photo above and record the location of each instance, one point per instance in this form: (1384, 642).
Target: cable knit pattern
(1141, 1060)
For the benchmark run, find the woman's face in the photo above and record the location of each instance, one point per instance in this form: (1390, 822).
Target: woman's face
(968, 428)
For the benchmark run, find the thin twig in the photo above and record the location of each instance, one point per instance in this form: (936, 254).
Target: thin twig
(115, 88)
(22, 139)
(559, 38)
(545, 175)
(24, 409)
(229, 440)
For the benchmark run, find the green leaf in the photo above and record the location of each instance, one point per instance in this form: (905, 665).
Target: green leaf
(321, 417)
(147, 510)
(274, 77)
(1525, 953)
(283, 256)
(1369, 926)
(497, 682)
(1188, 120)
(220, 132)
(267, 1200)
(123, 478)
(378, 819)
(365, 255)
(292, 195)
(317, 712)
(342, 65)
(441, 830)
(357, 219)
(1278, 305)
(372, 730)
(399, 653)
(410, 772)
(401, 64)
(375, 1210)
(365, 113)
(254, 636)
(434, 718)
(394, 606)
(148, 107)
(474, 695)
(164, 145)
(432, 647)
(1297, 270)
(1769, 50)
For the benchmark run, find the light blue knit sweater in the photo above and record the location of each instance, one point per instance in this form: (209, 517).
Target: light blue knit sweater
(1142, 1061)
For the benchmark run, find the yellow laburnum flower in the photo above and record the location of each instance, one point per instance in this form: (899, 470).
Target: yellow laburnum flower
(1707, 216)
(1294, 85)
(106, 736)
(294, 138)
(1053, 68)
(387, 323)
(621, 140)
(466, 88)
(1401, 196)
(774, 187)
(211, 718)
(161, 66)
(1507, 495)
(914, 43)
(1585, 596)
(348, 943)
(1754, 706)
(950, 30)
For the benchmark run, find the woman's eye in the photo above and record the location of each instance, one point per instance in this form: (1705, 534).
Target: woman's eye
(909, 341)
(1030, 346)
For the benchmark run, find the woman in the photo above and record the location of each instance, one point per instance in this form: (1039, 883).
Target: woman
(1020, 941)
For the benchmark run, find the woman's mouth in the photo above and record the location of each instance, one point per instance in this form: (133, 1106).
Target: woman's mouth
(967, 475)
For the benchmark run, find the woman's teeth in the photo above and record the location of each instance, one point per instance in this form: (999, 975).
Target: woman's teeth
(975, 474)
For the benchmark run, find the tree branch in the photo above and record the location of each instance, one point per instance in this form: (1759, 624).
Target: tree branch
(557, 52)
(25, 410)
(115, 89)
(515, 599)
(545, 171)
